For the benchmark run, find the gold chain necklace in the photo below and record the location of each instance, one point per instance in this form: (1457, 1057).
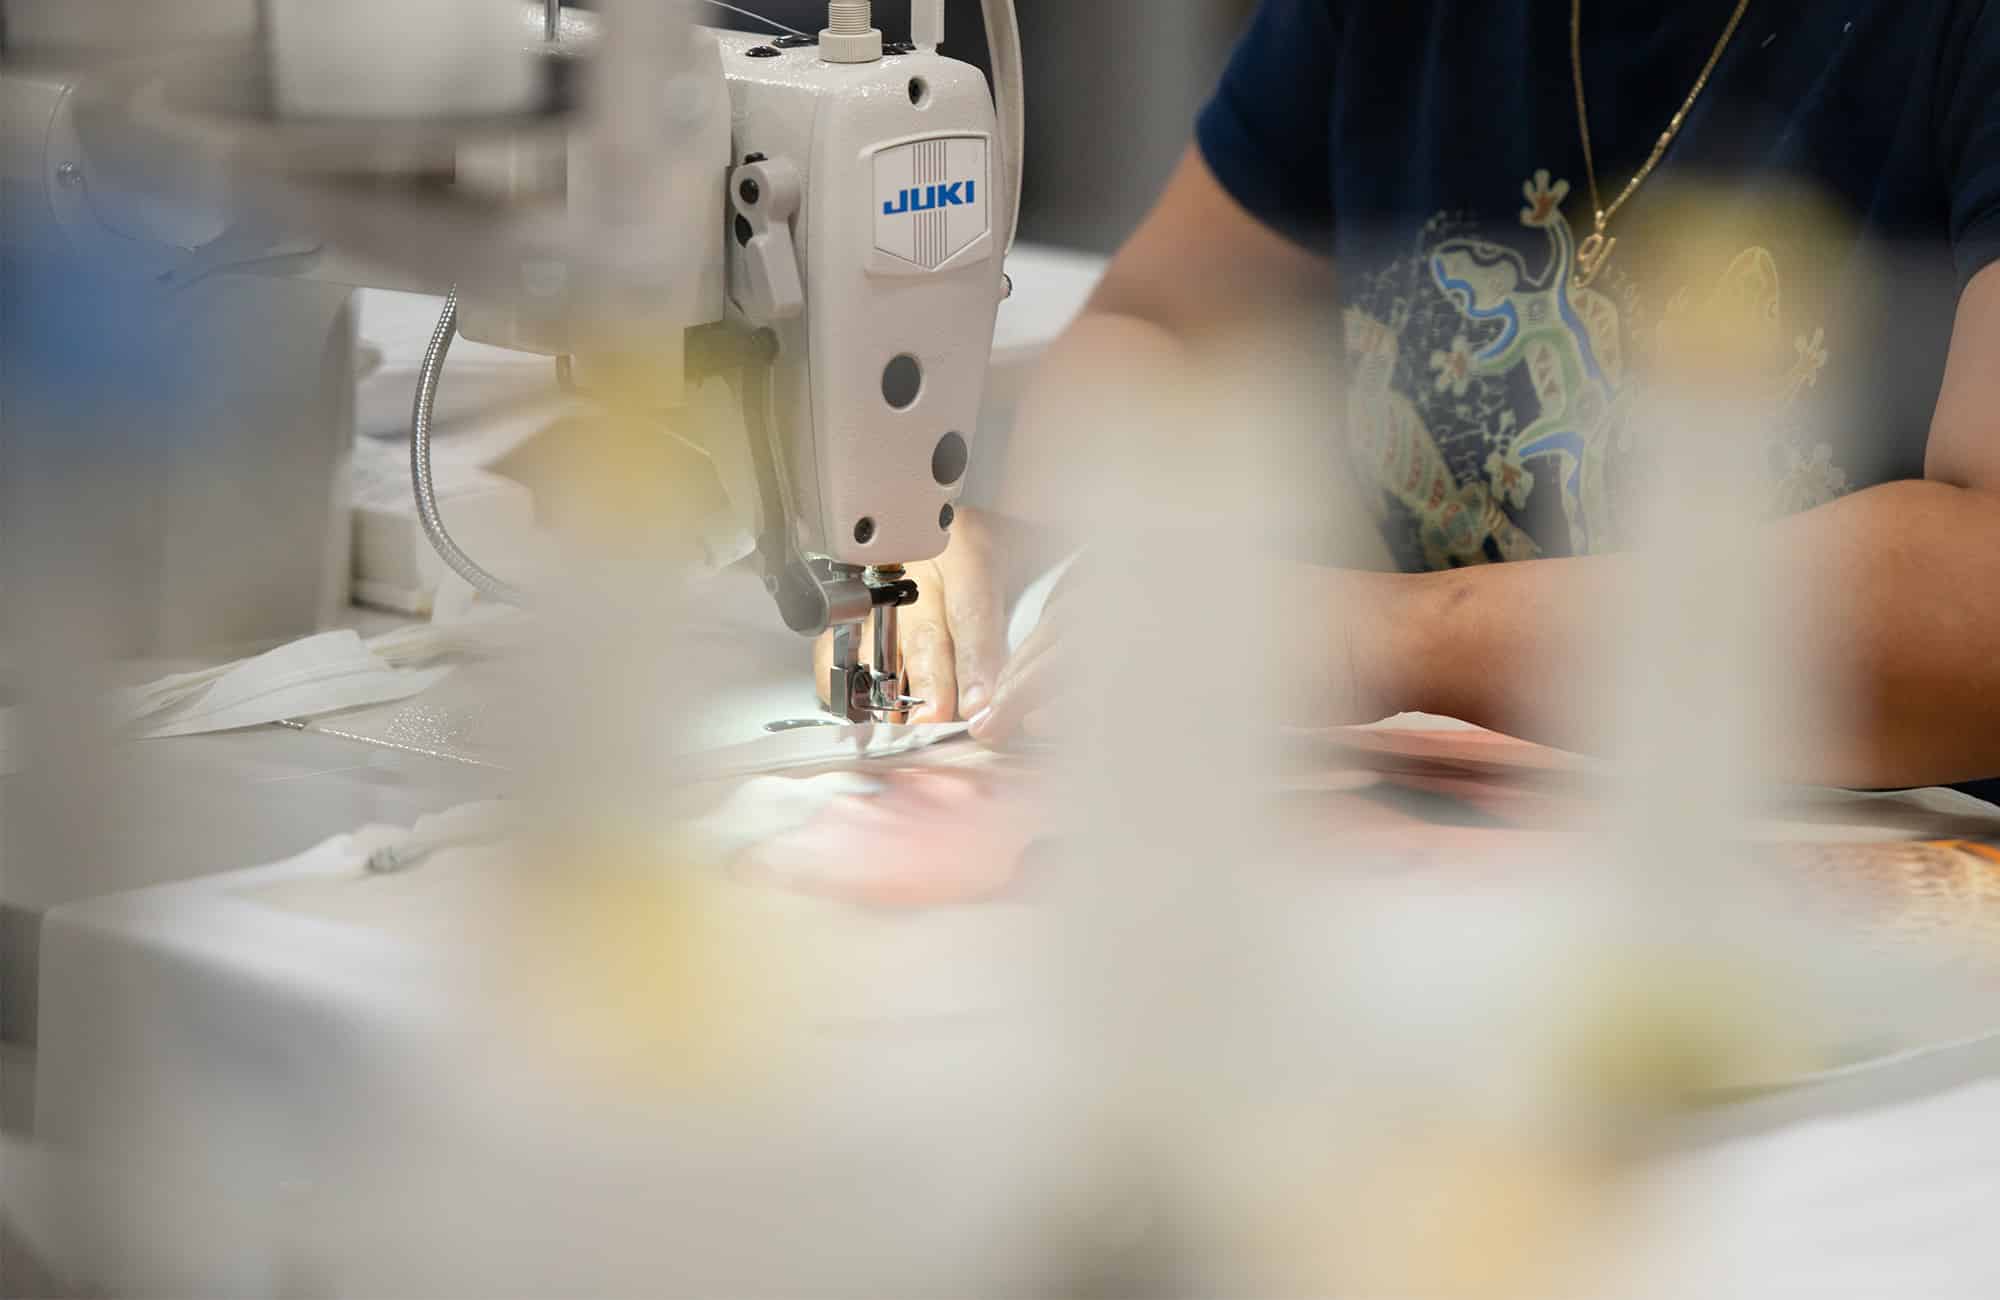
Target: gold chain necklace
(1595, 251)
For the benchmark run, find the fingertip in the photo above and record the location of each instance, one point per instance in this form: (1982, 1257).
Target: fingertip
(980, 723)
(937, 690)
(973, 700)
(936, 711)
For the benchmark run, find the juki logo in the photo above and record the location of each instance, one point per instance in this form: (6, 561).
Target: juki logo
(925, 212)
(958, 194)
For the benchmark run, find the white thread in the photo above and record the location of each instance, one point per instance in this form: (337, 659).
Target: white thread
(768, 22)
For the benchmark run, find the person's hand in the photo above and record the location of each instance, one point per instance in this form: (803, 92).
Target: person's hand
(955, 637)
(1333, 665)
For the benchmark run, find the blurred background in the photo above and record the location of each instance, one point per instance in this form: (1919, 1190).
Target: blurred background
(1115, 85)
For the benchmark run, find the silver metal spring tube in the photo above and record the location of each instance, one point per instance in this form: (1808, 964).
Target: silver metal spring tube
(420, 465)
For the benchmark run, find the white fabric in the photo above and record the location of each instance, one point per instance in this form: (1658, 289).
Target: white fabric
(321, 674)
(1034, 599)
(765, 807)
(1896, 1201)
(468, 824)
(813, 746)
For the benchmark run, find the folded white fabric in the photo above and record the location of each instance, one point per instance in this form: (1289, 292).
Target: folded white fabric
(1034, 599)
(321, 674)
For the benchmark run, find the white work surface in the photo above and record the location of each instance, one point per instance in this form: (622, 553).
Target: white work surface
(1894, 1200)
(221, 1060)
(215, 1049)
(217, 1052)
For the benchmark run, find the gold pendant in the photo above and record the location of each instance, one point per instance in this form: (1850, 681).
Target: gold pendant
(1591, 255)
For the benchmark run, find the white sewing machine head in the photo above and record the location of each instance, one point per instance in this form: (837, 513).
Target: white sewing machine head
(867, 234)
(869, 217)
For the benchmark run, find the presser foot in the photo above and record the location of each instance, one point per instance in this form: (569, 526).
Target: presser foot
(874, 692)
(856, 693)
(860, 694)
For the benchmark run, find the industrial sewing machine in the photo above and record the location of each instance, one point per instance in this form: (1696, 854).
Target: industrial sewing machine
(820, 220)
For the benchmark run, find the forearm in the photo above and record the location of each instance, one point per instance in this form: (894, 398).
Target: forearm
(1893, 598)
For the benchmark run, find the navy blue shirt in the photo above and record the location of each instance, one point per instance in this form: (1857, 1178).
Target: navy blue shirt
(1838, 183)
(1842, 169)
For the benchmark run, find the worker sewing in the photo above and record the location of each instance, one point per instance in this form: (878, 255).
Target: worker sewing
(1477, 189)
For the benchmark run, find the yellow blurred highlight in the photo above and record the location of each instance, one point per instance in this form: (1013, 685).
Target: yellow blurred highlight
(646, 971)
(1732, 326)
(1455, 1212)
(629, 477)
(1653, 1034)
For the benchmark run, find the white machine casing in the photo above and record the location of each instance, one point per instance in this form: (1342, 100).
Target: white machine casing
(899, 235)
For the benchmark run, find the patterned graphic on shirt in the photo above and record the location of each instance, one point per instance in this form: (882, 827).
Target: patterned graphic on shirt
(1489, 397)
